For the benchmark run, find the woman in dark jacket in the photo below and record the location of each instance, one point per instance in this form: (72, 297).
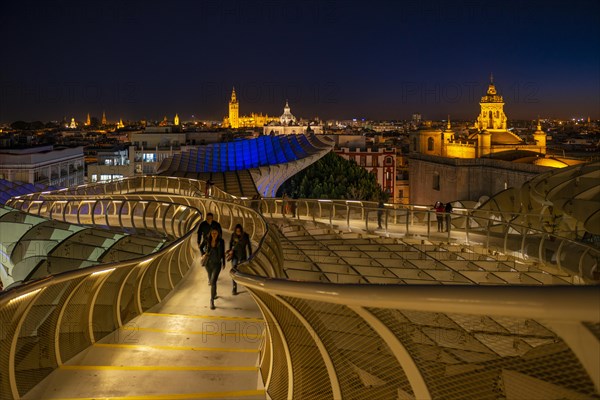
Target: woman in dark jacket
(213, 247)
(240, 241)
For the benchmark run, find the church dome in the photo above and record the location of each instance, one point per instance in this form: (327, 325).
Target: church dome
(287, 118)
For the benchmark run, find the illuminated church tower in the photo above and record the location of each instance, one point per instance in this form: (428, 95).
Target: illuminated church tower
(88, 120)
(176, 120)
(492, 110)
(104, 122)
(539, 136)
(234, 111)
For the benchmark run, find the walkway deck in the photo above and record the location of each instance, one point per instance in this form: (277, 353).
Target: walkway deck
(180, 349)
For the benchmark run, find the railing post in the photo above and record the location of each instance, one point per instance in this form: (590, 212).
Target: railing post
(348, 216)
(524, 235)
(558, 256)
(467, 227)
(408, 212)
(541, 249)
(506, 229)
(428, 224)
(487, 241)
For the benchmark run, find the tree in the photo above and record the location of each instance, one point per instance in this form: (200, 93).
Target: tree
(333, 177)
(20, 125)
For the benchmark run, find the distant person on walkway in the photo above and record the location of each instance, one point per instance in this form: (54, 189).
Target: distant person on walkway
(240, 242)
(206, 226)
(284, 204)
(208, 192)
(439, 215)
(255, 203)
(448, 211)
(292, 207)
(380, 211)
(213, 248)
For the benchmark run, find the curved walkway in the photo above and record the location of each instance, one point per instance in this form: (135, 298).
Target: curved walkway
(321, 339)
(179, 349)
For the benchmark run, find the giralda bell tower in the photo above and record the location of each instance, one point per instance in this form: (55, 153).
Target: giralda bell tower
(234, 111)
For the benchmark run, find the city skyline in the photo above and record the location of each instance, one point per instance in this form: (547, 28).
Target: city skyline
(332, 61)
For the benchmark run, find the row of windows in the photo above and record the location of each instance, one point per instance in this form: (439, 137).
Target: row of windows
(362, 160)
(430, 144)
(105, 177)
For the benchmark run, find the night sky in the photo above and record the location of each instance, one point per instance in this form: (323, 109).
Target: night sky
(331, 59)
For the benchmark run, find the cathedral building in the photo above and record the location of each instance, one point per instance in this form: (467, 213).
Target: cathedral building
(489, 135)
(288, 124)
(253, 120)
(445, 165)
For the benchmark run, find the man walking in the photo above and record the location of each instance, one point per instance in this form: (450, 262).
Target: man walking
(206, 226)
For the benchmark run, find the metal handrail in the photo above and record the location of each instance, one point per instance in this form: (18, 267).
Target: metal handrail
(17, 301)
(473, 225)
(556, 302)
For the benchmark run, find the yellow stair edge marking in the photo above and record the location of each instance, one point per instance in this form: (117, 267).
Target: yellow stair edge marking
(182, 396)
(153, 368)
(188, 348)
(207, 333)
(226, 318)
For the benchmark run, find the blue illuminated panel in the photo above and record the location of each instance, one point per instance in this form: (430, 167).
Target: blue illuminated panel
(287, 149)
(260, 146)
(224, 158)
(254, 160)
(215, 155)
(244, 154)
(279, 154)
(270, 151)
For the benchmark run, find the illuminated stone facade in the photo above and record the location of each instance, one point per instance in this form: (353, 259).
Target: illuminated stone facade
(288, 124)
(489, 135)
(253, 120)
(447, 166)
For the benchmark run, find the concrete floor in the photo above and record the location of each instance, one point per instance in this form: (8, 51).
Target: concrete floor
(180, 349)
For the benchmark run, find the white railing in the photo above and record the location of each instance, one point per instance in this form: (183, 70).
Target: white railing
(496, 232)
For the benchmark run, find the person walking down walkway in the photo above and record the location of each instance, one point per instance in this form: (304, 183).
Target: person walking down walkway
(240, 250)
(205, 228)
(439, 215)
(213, 259)
(448, 212)
(206, 225)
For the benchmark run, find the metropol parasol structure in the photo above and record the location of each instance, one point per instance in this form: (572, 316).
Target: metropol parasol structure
(504, 305)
